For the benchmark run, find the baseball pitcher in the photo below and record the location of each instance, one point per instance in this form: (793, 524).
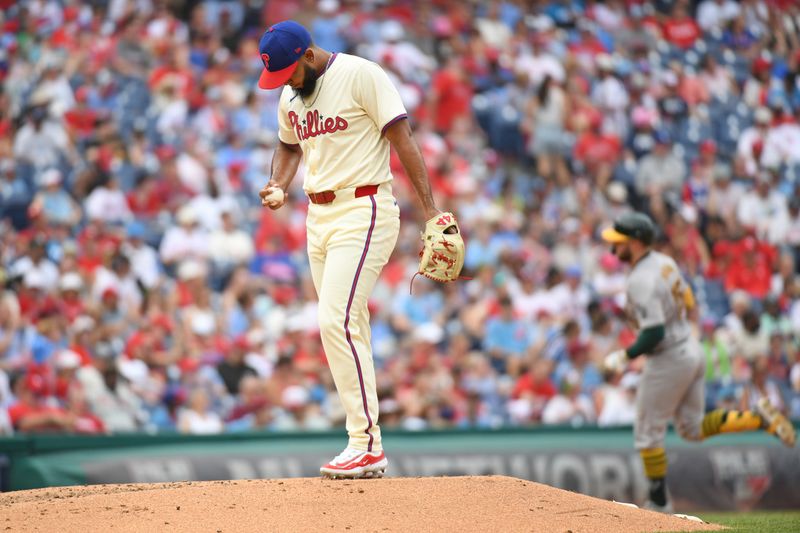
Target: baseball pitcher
(672, 386)
(340, 114)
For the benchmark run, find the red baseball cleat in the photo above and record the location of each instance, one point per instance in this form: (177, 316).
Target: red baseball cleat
(355, 464)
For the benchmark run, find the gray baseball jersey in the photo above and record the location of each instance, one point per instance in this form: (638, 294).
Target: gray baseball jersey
(672, 384)
(657, 294)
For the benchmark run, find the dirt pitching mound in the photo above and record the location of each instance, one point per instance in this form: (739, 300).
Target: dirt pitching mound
(461, 504)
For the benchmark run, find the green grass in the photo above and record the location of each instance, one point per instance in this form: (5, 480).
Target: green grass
(757, 521)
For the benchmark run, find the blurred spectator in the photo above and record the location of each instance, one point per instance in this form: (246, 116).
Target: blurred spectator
(751, 342)
(107, 393)
(65, 363)
(781, 143)
(559, 340)
(716, 78)
(233, 368)
(763, 210)
(671, 104)
(609, 280)
(84, 420)
(72, 303)
(642, 137)
(143, 257)
(571, 406)
(507, 339)
(82, 334)
(297, 412)
(773, 321)
(187, 241)
(492, 28)
(10, 327)
(57, 205)
(196, 418)
(531, 392)
(723, 193)
(250, 398)
(38, 270)
(719, 371)
(33, 410)
(16, 194)
(680, 28)
(587, 46)
(616, 400)
(610, 97)
(755, 89)
(229, 245)
(540, 64)
(749, 268)
(690, 248)
(329, 29)
(547, 117)
(617, 196)
(661, 171)
(597, 151)
(404, 55)
(451, 95)
(119, 278)
(740, 303)
(577, 369)
(715, 14)
(107, 203)
(410, 311)
(760, 386)
(54, 86)
(41, 142)
(738, 37)
(573, 249)
(571, 296)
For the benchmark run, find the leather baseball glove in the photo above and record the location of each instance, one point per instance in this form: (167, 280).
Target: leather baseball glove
(442, 255)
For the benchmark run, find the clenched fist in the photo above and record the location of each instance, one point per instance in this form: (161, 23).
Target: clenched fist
(272, 196)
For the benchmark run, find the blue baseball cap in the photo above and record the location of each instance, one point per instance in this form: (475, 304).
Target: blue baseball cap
(281, 47)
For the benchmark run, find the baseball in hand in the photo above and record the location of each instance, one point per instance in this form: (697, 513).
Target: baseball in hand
(616, 361)
(273, 197)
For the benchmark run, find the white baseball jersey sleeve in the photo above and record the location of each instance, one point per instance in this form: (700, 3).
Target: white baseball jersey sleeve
(340, 126)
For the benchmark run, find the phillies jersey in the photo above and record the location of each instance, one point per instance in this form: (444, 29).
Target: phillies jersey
(340, 126)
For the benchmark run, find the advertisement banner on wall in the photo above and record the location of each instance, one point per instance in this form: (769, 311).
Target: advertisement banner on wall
(724, 478)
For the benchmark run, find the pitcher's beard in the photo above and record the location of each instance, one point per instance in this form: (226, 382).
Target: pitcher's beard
(309, 82)
(623, 253)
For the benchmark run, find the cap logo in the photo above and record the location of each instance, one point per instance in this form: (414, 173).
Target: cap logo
(281, 46)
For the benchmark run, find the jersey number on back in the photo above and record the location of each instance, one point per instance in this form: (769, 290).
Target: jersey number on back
(683, 296)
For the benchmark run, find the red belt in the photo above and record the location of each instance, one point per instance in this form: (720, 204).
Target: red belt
(326, 197)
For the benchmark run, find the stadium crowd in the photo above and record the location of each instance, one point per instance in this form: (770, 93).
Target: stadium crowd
(146, 289)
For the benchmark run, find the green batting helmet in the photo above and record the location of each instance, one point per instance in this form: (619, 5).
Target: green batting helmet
(631, 226)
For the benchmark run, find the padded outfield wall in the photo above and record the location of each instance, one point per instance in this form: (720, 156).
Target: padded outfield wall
(747, 471)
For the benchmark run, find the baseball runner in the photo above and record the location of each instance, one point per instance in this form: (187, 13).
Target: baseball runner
(658, 302)
(340, 113)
